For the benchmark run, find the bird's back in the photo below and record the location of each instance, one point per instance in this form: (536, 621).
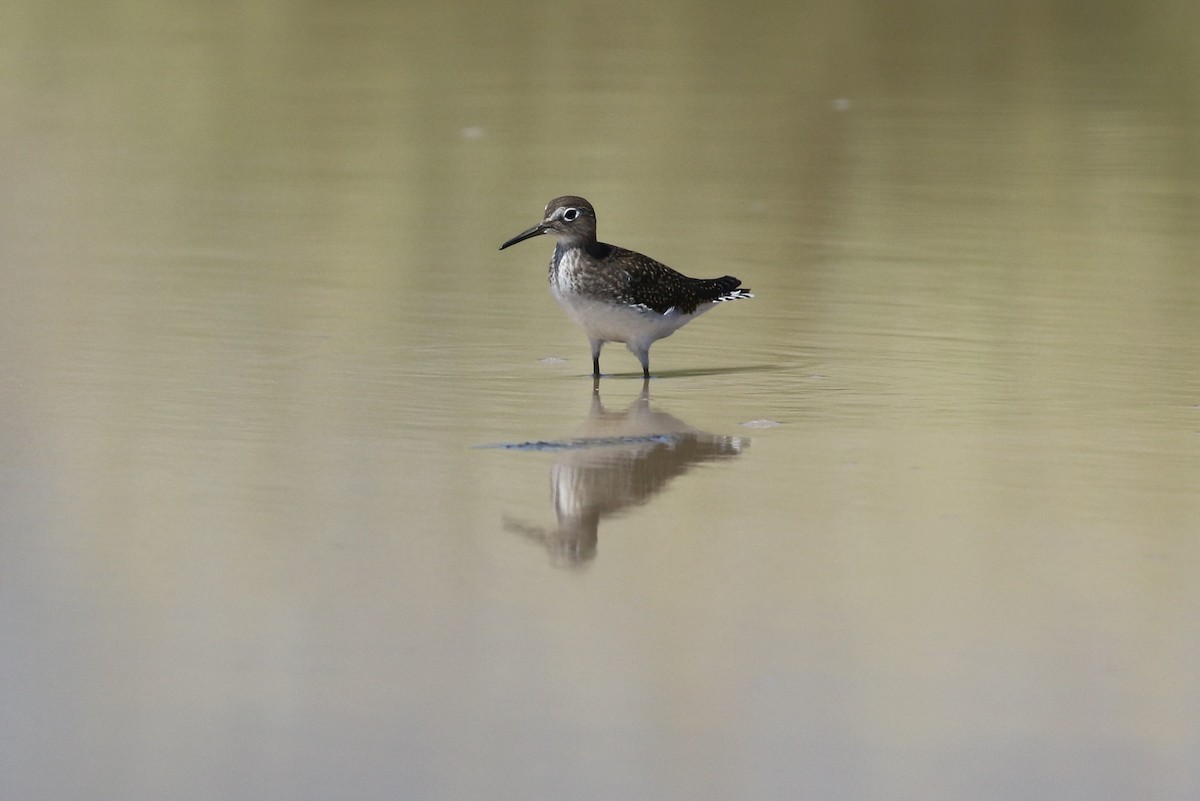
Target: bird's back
(630, 278)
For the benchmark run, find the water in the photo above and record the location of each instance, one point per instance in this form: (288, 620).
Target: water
(919, 521)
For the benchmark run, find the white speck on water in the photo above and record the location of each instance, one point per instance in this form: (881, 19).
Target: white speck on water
(472, 132)
(841, 104)
(761, 423)
(552, 360)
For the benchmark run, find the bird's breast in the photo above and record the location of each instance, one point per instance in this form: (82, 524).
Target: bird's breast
(573, 272)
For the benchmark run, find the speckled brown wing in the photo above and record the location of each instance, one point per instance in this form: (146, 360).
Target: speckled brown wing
(657, 287)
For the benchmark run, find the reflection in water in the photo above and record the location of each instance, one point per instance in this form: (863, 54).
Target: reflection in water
(619, 460)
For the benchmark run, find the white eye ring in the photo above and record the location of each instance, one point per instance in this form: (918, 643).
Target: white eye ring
(570, 215)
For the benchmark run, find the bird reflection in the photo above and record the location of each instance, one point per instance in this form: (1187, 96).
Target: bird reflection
(619, 460)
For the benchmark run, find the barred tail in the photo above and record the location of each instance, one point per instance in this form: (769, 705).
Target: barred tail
(736, 294)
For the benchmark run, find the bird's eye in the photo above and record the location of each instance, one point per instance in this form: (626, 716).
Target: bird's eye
(570, 215)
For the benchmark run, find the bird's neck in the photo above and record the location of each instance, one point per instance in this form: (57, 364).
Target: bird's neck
(597, 250)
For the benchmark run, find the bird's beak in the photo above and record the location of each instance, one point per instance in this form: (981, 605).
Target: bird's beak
(536, 230)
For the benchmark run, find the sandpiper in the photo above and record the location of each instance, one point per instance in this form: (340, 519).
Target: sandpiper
(618, 295)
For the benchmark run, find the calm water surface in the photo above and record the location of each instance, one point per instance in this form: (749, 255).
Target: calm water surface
(920, 521)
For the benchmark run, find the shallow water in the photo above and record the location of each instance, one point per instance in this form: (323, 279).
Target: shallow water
(918, 521)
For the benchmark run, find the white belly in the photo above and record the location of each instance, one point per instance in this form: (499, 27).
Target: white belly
(606, 322)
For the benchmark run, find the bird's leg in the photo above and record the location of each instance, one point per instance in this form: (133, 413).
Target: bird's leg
(642, 351)
(596, 345)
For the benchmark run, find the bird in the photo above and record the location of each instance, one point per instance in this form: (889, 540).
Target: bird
(619, 295)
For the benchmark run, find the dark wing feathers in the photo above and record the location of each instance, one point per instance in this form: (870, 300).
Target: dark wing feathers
(646, 282)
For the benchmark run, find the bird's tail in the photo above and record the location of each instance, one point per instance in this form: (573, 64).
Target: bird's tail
(722, 289)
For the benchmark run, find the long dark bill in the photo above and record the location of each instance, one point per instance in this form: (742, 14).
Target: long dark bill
(540, 228)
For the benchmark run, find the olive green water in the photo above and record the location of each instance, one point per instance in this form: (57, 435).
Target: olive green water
(920, 521)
